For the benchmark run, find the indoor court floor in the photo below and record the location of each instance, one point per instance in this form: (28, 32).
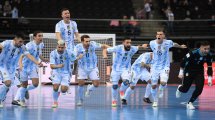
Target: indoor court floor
(98, 106)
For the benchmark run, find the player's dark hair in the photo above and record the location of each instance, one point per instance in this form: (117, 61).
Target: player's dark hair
(63, 9)
(161, 30)
(20, 35)
(36, 32)
(84, 36)
(126, 38)
(204, 43)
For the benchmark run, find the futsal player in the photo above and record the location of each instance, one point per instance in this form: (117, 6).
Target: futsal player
(161, 63)
(60, 61)
(192, 70)
(87, 66)
(121, 66)
(28, 69)
(140, 70)
(11, 52)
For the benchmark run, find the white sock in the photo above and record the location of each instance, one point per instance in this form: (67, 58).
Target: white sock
(22, 93)
(114, 93)
(91, 88)
(80, 92)
(123, 87)
(161, 87)
(148, 90)
(31, 87)
(55, 95)
(128, 92)
(154, 94)
(18, 93)
(3, 91)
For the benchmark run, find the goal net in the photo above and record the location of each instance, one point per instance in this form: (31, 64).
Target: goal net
(50, 42)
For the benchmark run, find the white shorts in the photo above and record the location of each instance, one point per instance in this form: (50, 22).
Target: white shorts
(26, 74)
(92, 75)
(6, 75)
(116, 75)
(144, 75)
(162, 74)
(61, 78)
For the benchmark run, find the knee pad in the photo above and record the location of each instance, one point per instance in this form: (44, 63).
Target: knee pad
(115, 87)
(126, 82)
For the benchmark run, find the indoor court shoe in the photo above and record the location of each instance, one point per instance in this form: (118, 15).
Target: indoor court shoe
(124, 102)
(55, 105)
(15, 102)
(22, 103)
(155, 104)
(178, 93)
(190, 106)
(147, 100)
(87, 93)
(80, 103)
(121, 94)
(114, 103)
(1, 104)
(27, 95)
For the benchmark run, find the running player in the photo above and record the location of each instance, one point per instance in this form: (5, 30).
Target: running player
(139, 70)
(28, 69)
(60, 61)
(161, 63)
(192, 70)
(87, 65)
(121, 66)
(11, 52)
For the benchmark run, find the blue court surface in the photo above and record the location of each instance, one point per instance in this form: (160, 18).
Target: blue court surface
(98, 106)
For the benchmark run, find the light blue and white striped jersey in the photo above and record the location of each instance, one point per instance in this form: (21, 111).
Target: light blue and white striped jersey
(122, 60)
(67, 32)
(66, 58)
(35, 50)
(10, 55)
(161, 54)
(145, 57)
(89, 59)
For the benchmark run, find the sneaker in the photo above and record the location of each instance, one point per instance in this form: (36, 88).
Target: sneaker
(87, 93)
(1, 104)
(178, 93)
(114, 103)
(15, 102)
(22, 103)
(55, 105)
(80, 103)
(27, 95)
(190, 106)
(161, 93)
(147, 100)
(121, 94)
(155, 104)
(124, 102)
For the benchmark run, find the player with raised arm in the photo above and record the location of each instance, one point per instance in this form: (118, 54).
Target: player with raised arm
(192, 69)
(139, 70)
(161, 63)
(60, 61)
(11, 52)
(121, 66)
(87, 65)
(28, 69)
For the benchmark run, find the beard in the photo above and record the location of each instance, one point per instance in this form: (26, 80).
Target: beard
(127, 48)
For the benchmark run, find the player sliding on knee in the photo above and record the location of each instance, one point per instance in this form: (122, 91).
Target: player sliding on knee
(87, 66)
(161, 63)
(121, 66)
(139, 70)
(60, 62)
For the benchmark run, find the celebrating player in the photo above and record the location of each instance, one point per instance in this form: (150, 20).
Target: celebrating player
(60, 61)
(11, 52)
(161, 63)
(87, 65)
(121, 66)
(139, 70)
(192, 70)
